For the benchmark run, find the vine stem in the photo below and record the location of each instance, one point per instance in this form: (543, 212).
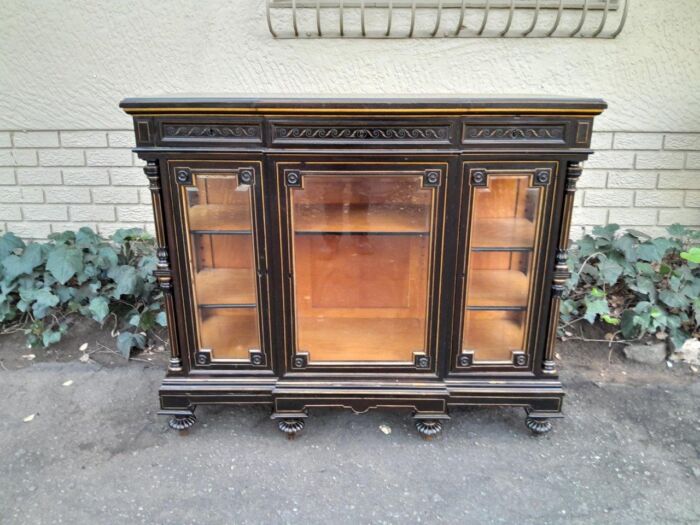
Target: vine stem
(578, 274)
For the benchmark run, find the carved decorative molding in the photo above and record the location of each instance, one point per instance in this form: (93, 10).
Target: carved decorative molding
(519, 358)
(479, 133)
(203, 357)
(212, 131)
(285, 133)
(421, 360)
(572, 176)
(300, 360)
(465, 359)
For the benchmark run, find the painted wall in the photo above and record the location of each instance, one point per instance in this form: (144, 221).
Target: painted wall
(64, 66)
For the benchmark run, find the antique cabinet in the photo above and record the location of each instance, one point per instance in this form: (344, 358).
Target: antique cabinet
(362, 253)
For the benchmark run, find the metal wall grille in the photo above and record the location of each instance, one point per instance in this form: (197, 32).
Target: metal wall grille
(446, 18)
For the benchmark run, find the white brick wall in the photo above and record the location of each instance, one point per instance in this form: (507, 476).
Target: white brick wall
(51, 181)
(56, 180)
(644, 181)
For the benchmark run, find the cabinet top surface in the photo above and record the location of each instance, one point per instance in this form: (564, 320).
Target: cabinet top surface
(371, 104)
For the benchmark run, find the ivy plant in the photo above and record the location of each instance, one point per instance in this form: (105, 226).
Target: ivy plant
(43, 285)
(638, 284)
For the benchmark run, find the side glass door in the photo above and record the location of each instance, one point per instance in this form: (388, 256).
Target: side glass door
(501, 264)
(360, 244)
(224, 256)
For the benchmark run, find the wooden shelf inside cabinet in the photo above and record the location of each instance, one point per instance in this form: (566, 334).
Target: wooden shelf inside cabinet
(334, 218)
(219, 218)
(216, 286)
(360, 339)
(497, 288)
(509, 233)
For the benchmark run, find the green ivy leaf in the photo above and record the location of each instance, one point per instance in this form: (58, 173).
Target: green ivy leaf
(16, 265)
(50, 337)
(99, 308)
(672, 299)
(39, 299)
(610, 271)
(586, 246)
(9, 243)
(647, 251)
(123, 235)
(597, 292)
(64, 262)
(128, 340)
(627, 324)
(644, 285)
(606, 231)
(665, 269)
(594, 308)
(127, 279)
(86, 238)
(66, 237)
(692, 255)
(107, 258)
(162, 319)
(676, 230)
(628, 246)
(610, 320)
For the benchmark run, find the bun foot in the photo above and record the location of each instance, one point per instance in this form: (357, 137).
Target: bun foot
(428, 428)
(538, 425)
(291, 426)
(182, 423)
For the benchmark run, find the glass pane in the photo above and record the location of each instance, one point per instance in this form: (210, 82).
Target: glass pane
(218, 203)
(361, 266)
(493, 335)
(498, 279)
(230, 333)
(222, 265)
(223, 269)
(499, 266)
(504, 213)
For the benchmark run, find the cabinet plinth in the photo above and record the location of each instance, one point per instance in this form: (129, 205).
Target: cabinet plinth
(358, 261)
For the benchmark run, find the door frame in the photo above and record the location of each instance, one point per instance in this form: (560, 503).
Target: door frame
(179, 174)
(279, 167)
(540, 285)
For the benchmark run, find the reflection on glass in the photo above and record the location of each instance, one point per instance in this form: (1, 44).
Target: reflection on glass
(223, 265)
(499, 266)
(361, 266)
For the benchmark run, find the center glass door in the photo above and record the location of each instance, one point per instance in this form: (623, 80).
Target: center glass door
(361, 261)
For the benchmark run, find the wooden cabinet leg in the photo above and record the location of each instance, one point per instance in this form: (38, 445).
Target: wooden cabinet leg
(182, 422)
(538, 425)
(429, 425)
(291, 426)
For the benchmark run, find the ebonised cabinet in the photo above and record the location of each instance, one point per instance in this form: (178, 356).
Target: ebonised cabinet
(362, 253)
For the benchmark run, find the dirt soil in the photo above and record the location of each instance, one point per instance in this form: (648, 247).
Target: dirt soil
(81, 443)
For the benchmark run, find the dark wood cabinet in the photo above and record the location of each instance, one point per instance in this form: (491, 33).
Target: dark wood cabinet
(362, 253)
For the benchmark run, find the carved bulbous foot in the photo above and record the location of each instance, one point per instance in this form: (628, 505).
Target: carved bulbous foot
(291, 426)
(182, 423)
(538, 425)
(429, 428)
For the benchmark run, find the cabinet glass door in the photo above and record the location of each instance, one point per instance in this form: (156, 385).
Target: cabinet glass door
(361, 249)
(501, 261)
(218, 210)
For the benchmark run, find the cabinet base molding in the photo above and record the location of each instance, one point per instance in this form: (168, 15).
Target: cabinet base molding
(428, 401)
